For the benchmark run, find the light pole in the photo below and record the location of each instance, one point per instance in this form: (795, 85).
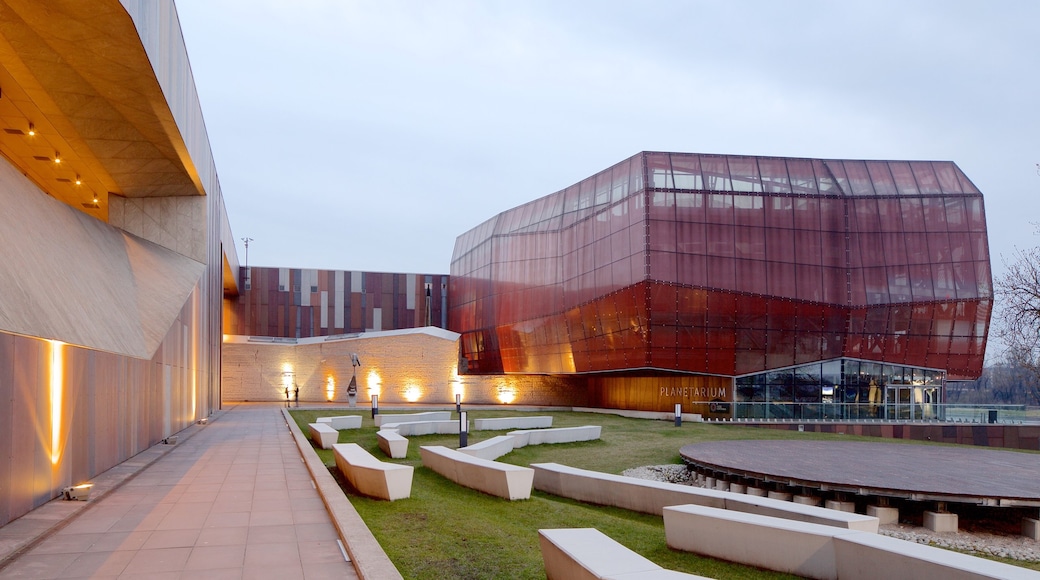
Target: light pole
(246, 241)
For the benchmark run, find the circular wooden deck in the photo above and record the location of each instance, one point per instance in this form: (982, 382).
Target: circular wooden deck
(974, 475)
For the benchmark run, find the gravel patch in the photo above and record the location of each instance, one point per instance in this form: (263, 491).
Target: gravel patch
(1012, 547)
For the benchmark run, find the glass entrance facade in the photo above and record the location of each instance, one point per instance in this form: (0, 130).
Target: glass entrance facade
(841, 389)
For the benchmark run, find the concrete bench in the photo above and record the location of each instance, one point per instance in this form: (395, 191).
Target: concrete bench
(413, 428)
(342, 422)
(817, 551)
(391, 442)
(502, 423)
(406, 417)
(490, 449)
(491, 477)
(557, 435)
(587, 553)
(323, 435)
(370, 476)
(806, 550)
(646, 496)
(867, 556)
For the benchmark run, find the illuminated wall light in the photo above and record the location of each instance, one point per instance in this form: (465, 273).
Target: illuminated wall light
(330, 389)
(374, 383)
(506, 395)
(57, 157)
(80, 182)
(457, 387)
(412, 393)
(57, 385)
(32, 130)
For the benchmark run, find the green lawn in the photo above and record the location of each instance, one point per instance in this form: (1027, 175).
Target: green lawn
(447, 531)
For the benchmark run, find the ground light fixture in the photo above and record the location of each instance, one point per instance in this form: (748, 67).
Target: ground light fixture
(678, 414)
(79, 492)
(375, 405)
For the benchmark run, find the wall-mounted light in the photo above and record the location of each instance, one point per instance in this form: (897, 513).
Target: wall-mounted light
(412, 393)
(80, 182)
(506, 395)
(57, 157)
(95, 199)
(32, 129)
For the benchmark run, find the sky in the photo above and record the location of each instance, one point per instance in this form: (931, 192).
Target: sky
(369, 135)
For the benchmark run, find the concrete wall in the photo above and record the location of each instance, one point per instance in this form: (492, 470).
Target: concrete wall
(421, 363)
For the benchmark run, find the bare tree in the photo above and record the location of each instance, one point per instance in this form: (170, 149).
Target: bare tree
(1018, 318)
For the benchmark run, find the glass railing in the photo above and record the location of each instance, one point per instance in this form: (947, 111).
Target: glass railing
(899, 412)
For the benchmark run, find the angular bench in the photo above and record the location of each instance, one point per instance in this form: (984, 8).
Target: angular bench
(502, 423)
(557, 435)
(817, 551)
(491, 477)
(392, 444)
(370, 476)
(587, 553)
(323, 435)
(406, 417)
(650, 497)
(342, 422)
(413, 428)
(490, 449)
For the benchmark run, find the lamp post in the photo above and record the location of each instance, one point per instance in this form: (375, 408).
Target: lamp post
(678, 414)
(458, 402)
(375, 405)
(355, 362)
(247, 280)
(463, 429)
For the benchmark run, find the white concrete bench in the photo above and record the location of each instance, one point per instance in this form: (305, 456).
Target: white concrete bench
(406, 417)
(413, 428)
(646, 496)
(557, 435)
(868, 556)
(370, 476)
(395, 446)
(587, 553)
(817, 551)
(491, 477)
(778, 544)
(342, 422)
(502, 423)
(323, 435)
(490, 449)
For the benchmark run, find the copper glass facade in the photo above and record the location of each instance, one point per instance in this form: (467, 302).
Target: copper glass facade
(731, 266)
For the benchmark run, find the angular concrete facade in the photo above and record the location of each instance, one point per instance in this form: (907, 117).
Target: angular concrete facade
(115, 241)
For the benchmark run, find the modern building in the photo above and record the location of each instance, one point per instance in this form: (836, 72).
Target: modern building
(117, 249)
(736, 286)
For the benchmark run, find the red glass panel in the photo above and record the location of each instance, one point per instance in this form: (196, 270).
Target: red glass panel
(895, 248)
(693, 269)
(810, 282)
(803, 179)
(904, 177)
(782, 280)
(859, 179)
(964, 279)
(748, 210)
(947, 175)
(691, 238)
(720, 240)
(779, 245)
(875, 282)
(663, 305)
(687, 171)
(832, 214)
(976, 215)
(956, 216)
(939, 247)
(927, 182)
(744, 174)
(889, 212)
(716, 173)
(808, 247)
(834, 290)
(774, 175)
(620, 180)
(966, 185)
(867, 219)
(689, 207)
(662, 266)
(881, 178)
(912, 214)
(870, 249)
(779, 212)
(751, 276)
(807, 213)
(662, 205)
(960, 247)
(659, 170)
(750, 243)
(831, 177)
(833, 249)
(921, 282)
(722, 272)
(720, 208)
(899, 284)
(662, 236)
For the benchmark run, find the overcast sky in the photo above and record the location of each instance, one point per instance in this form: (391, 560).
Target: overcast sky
(368, 135)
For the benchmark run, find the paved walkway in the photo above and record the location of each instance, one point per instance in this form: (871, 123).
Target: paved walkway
(232, 501)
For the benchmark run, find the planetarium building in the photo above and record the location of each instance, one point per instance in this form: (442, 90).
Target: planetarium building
(736, 286)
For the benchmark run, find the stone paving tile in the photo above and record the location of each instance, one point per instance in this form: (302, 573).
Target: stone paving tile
(233, 501)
